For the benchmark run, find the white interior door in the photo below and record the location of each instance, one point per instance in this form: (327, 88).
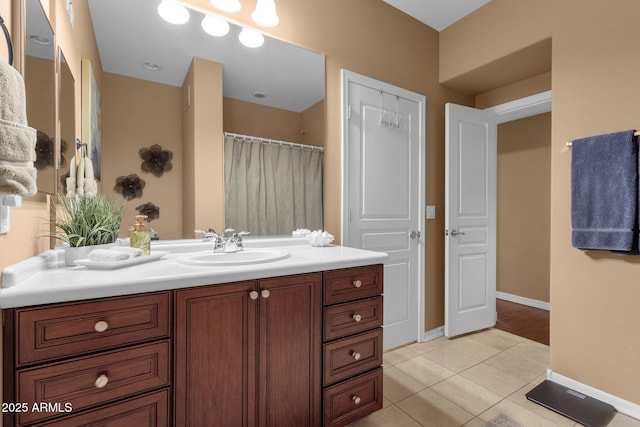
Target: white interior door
(384, 193)
(470, 219)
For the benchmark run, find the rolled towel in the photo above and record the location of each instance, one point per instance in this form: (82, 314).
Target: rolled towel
(71, 186)
(107, 255)
(114, 254)
(80, 177)
(131, 252)
(12, 95)
(90, 184)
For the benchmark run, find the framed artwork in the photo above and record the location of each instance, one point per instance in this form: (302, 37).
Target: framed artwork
(91, 120)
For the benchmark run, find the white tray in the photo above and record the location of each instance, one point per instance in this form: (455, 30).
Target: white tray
(155, 255)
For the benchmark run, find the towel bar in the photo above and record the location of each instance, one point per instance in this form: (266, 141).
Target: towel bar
(5, 30)
(569, 144)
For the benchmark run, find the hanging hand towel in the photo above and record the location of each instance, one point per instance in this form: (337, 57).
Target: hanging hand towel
(71, 181)
(17, 140)
(604, 191)
(90, 184)
(80, 177)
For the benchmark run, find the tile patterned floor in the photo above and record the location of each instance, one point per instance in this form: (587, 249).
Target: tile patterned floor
(467, 381)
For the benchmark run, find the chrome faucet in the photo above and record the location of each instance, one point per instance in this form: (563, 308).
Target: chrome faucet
(229, 241)
(232, 241)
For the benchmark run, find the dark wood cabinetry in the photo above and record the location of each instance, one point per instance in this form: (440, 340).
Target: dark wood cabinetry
(352, 347)
(248, 353)
(65, 363)
(299, 350)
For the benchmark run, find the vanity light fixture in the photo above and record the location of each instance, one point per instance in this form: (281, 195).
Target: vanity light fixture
(251, 38)
(215, 26)
(227, 5)
(173, 12)
(265, 13)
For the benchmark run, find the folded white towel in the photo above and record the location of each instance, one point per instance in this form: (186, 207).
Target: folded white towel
(114, 254)
(12, 95)
(17, 141)
(90, 184)
(19, 180)
(107, 255)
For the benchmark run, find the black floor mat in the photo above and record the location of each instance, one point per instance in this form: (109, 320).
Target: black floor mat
(583, 409)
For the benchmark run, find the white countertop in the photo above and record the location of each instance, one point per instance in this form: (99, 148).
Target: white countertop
(42, 279)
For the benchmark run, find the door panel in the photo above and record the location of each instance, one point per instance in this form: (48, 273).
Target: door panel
(470, 211)
(384, 182)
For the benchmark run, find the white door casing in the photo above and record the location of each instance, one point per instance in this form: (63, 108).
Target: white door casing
(383, 193)
(470, 219)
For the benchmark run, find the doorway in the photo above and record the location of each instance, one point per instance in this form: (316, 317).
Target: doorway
(468, 297)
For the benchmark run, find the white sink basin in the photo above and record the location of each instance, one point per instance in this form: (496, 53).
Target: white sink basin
(247, 256)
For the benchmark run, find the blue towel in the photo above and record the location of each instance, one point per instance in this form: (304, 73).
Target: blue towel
(604, 191)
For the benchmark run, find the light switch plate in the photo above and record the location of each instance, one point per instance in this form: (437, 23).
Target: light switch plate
(431, 212)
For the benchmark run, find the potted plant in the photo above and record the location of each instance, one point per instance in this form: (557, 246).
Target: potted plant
(86, 221)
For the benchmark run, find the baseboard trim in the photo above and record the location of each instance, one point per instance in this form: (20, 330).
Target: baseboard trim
(621, 405)
(523, 300)
(432, 334)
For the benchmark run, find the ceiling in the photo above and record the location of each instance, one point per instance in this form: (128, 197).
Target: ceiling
(438, 14)
(131, 33)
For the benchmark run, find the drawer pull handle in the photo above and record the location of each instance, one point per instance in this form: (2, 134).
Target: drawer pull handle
(102, 381)
(254, 295)
(357, 283)
(356, 400)
(357, 317)
(265, 293)
(101, 326)
(356, 355)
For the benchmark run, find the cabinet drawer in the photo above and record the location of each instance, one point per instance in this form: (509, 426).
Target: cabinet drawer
(353, 399)
(350, 318)
(352, 283)
(151, 410)
(351, 356)
(91, 380)
(70, 329)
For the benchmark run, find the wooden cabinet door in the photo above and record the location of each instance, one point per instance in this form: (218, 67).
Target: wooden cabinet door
(215, 356)
(290, 326)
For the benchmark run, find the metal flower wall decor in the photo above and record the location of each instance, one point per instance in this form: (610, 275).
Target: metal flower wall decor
(130, 186)
(156, 160)
(45, 151)
(150, 210)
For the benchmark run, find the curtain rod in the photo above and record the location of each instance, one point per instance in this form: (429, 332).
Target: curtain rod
(275, 141)
(569, 144)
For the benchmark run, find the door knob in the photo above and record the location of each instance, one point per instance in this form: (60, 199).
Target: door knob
(253, 295)
(455, 232)
(265, 293)
(415, 234)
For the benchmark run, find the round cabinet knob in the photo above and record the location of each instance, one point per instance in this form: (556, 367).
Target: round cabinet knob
(357, 317)
(357, 283)
(356, 355)
(356, 400)
(102, 381)
(101, 326)
(254, 295)
(265, 293)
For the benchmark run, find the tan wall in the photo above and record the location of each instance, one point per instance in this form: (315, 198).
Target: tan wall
(523, 208)
(313, 125)
(138, 114)
(596, 88)
(252, 119)
(203, 172)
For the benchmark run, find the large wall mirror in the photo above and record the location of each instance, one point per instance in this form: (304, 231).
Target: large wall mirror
(67, 120)
(140, 51)
(39, 77)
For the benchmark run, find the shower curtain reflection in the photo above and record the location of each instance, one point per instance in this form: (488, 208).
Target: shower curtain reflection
(271, 187)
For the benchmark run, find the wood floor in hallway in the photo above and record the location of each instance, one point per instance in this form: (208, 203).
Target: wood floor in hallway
(528, 322)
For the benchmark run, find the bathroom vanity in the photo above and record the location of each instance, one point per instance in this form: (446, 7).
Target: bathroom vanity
(293, 342)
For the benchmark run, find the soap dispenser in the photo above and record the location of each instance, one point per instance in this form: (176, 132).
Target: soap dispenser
(139, 237)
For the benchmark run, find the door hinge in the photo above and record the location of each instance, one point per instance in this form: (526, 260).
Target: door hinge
(348, 112)
(349, 216)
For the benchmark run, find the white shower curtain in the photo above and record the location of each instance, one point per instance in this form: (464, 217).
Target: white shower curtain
(271, 188)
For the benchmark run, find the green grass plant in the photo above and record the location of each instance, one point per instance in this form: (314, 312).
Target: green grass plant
(88, 220)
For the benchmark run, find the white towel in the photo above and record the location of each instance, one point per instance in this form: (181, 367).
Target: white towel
(71, 181)
(17, 140)
(80, 177)
(114, 254)
(90, 184)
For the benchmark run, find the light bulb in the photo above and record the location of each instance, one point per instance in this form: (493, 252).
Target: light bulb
(215, 26)
(251, 38)
(172, 12)
(227, 5)
(265, 13)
